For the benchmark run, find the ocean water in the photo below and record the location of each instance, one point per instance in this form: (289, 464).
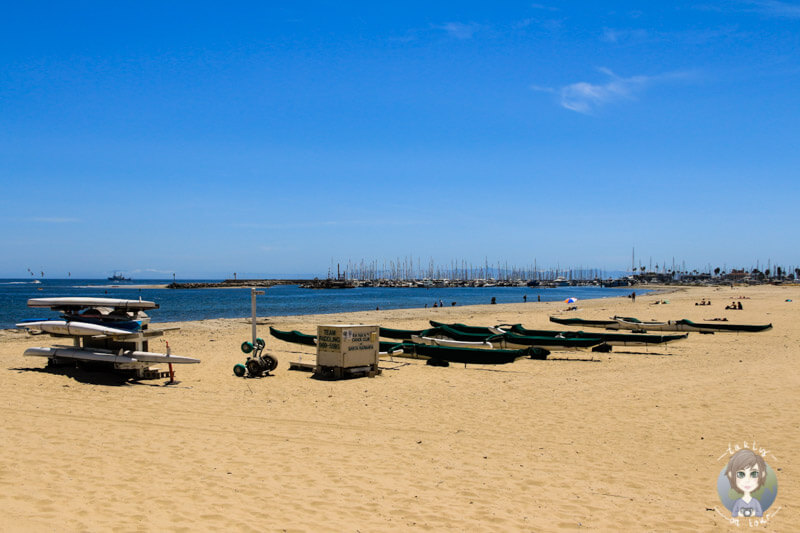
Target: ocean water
(200, 304)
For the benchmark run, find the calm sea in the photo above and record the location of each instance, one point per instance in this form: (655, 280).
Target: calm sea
(199, 304)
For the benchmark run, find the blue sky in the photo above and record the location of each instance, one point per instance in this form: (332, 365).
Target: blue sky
(277, 138)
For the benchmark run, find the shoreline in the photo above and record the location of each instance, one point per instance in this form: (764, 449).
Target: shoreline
(626, 440)
(188, 306)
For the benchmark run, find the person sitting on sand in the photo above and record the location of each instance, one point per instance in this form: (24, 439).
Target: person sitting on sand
(739, 305)
(746, 472)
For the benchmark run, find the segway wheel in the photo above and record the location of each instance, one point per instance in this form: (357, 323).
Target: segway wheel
(254, 367)
(239, 370)
(260, 343)
(247, 346)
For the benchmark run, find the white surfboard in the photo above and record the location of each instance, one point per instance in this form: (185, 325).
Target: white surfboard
(68, 327)
(108, 356)
(76, 301)
(73, 353)
(152, 357)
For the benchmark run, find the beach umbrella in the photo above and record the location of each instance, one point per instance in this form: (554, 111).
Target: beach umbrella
(570, 300)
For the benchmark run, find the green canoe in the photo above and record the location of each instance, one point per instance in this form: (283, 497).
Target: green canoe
(473, 356)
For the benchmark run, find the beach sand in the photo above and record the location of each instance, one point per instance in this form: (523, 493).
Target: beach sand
(630, 440)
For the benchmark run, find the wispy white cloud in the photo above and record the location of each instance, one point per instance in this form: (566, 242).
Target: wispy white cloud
(544, 7)
(460, 30)
(54, 220)
(585, 97)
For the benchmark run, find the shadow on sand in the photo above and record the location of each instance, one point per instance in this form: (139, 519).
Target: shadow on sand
(91, 376)
(655, 354)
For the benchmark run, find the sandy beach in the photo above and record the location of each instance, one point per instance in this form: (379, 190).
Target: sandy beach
(629, 440)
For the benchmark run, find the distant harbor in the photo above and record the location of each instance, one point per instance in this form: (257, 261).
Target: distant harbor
(226, 300)
(425, 283)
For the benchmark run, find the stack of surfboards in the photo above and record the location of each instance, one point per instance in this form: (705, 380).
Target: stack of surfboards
(104, 330)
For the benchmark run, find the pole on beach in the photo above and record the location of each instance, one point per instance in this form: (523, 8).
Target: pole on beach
(253, 294)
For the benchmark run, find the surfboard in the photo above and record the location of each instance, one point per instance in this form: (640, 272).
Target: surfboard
(83, 355)
(128, 356)
(79, 302)
(67, 327)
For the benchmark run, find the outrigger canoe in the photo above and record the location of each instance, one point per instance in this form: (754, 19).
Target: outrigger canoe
(640, 326)
(436, 353)
(608, 324)
(612, 339)
(472, 356)
(306, 339)
(508, 340)
(401, 334)
(468, 329)
(294, 337)
(687, 325)
(434, 341)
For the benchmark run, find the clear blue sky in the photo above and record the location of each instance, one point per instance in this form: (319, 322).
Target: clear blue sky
(272, 138)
